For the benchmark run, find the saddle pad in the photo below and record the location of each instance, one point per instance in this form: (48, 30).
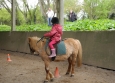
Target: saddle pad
(60, 47)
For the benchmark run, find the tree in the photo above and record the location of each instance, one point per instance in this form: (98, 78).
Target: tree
(98, 8)
(28, 12)
(30, 15)
(5, 17)
(4, 4)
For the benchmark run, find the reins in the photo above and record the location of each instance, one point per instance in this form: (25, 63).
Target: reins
(45, 45)
(43, 37)
(40, 39)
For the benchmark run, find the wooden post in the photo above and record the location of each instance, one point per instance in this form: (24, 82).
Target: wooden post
(13, 16)
(61, 12)
(58, 8)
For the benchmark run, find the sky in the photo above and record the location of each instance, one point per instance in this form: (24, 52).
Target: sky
(33, 2)
(80, 1)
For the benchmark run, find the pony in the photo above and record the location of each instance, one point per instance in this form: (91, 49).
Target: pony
(73, 53)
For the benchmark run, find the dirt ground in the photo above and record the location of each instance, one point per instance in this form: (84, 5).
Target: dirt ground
(25, 68)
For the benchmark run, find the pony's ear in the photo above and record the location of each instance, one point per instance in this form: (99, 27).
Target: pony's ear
(29, 39)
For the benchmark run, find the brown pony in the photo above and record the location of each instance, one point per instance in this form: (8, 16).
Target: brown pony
(73, 52)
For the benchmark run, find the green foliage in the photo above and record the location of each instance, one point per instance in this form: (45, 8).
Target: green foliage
(90, 25)
(36, 27)
(5, 17)
(5, 28)
(20, 18)
(80, 25)
(70, 5)
(39, 16)
(98, 9)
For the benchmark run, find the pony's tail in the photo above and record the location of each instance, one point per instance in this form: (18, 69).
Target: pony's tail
(79, 56)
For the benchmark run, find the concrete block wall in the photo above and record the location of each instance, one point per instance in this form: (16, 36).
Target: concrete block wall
(98, 46)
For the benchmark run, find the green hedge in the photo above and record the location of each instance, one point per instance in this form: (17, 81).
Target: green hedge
(80, 25)
(5, 28)
(90, 25)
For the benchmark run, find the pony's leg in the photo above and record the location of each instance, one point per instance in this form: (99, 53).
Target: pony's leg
(73, 65)
(49, 75)
(69, 66)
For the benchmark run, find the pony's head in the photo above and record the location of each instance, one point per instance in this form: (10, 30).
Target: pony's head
(31, 43)
(35, 44)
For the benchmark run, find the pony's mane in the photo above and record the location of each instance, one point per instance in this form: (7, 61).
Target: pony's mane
(35, 37)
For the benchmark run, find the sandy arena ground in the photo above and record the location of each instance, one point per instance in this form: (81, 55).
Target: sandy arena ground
(25, 68)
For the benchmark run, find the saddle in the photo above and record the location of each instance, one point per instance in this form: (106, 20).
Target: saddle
(60, 47)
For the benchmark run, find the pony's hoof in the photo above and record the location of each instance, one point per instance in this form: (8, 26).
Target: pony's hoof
(67, 74)
(72, 76)
(46, 81)
(52, 79)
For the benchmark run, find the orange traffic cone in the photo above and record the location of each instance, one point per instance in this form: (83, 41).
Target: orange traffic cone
(56, 74)
(8, 58)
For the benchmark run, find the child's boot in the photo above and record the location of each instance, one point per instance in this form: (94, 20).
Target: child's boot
(53, 53)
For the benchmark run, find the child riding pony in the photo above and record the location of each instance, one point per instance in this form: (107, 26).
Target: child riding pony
(54, 35)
